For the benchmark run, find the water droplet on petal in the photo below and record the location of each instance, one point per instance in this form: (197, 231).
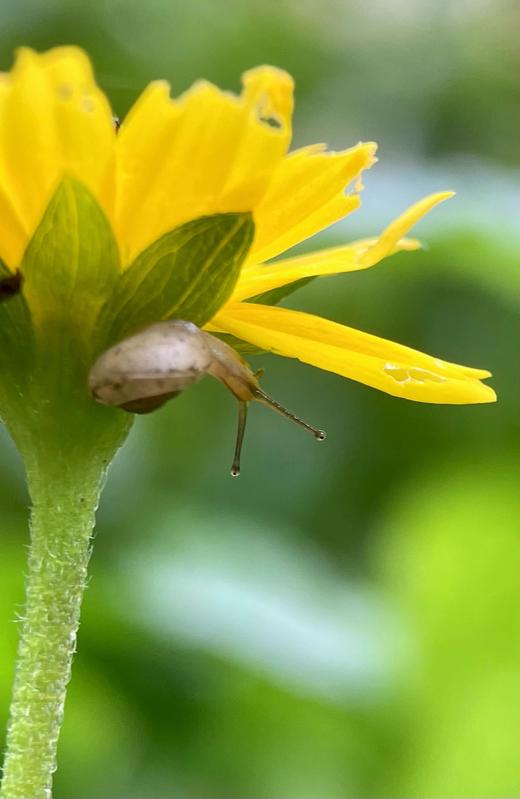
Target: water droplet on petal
(415, 374)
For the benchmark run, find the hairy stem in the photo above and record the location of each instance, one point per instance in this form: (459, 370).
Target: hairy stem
(64, 493)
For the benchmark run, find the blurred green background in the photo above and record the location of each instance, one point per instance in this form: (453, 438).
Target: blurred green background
(343, 620)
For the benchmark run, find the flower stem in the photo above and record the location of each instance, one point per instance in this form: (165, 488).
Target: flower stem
(64, 490)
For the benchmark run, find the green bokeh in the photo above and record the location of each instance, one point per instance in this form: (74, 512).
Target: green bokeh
(343, 620)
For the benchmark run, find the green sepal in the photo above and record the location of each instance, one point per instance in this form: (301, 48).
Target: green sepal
(238, 344)
(71, 264)
(274, 296)
(49, 334)
(188, 273)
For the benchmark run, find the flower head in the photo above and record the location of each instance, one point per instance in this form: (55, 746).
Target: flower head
(186, 206)
(126, 257)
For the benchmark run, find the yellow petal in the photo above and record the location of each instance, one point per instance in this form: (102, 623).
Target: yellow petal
(384, 365)
(55, 121)
(255, 280)
(399, 227)
(306, 195)
(269, 91)
(207, 152)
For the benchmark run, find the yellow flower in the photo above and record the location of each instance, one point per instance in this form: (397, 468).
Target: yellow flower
(209, 152)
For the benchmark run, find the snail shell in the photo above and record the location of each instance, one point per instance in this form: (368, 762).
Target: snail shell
(145, 370)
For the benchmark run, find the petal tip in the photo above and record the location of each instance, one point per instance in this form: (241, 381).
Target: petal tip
(371, 146)
(265, 75)
(440, 196)
(487, 394)
(270, 91)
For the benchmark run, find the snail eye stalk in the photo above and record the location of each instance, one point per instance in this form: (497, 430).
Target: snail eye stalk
(265, 399)
(243, 407)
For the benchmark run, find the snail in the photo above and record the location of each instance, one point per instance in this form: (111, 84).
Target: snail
(142, 372)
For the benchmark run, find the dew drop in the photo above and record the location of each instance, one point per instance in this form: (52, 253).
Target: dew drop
(413, 375)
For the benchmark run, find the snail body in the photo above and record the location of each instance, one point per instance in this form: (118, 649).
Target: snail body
(145, 370)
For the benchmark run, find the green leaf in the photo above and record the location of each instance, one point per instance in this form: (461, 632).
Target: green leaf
(188, 273)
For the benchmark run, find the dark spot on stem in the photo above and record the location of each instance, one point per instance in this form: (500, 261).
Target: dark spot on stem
(10, 286)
